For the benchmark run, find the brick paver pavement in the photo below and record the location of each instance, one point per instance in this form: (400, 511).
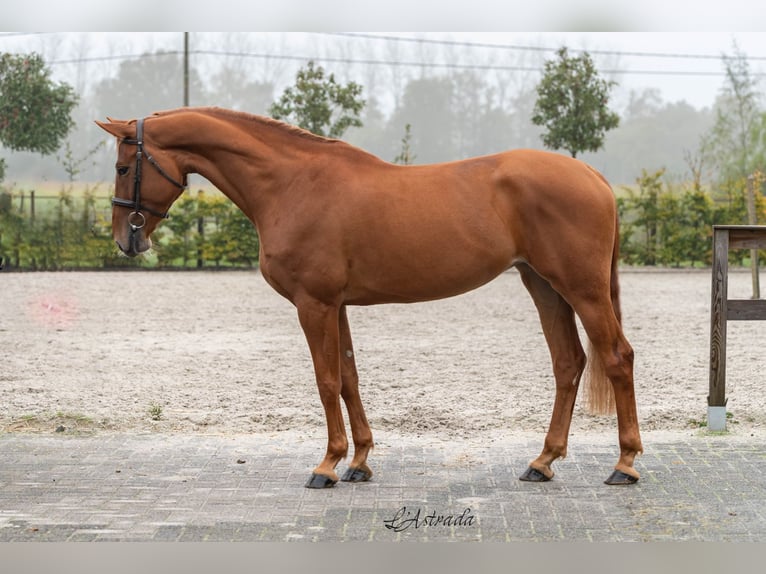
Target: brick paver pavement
(142, 487)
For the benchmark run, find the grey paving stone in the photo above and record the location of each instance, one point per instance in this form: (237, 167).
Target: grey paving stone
(191, 488)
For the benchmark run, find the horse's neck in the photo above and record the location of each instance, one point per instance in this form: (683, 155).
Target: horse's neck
(245, 159)
(214, 139)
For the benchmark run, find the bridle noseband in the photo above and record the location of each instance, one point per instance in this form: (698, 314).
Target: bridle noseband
(136, 219)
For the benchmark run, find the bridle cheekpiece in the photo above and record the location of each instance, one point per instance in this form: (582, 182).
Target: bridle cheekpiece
(136, 219)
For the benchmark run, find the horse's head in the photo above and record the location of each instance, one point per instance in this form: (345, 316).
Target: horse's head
(148, 181)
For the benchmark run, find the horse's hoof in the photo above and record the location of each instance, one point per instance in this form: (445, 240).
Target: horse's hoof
(533, 475)
(320, 481)
(355, 475)
(619, 478)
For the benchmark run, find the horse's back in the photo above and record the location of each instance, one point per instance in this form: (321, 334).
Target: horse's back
(424, 232)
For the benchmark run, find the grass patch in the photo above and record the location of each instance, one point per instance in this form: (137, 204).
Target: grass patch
(702, 424)
(155, 412)
(59, 421)
(697, 423)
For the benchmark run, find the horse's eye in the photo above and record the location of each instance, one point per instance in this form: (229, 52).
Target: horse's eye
(122, 170)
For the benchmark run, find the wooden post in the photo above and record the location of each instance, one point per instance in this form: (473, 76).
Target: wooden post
(16, 251)
(716, 399)
(200, 232)
(752, 219)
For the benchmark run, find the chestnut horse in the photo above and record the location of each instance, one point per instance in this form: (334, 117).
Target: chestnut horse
(339, 226)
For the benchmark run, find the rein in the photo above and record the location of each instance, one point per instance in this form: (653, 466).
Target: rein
(136, 219)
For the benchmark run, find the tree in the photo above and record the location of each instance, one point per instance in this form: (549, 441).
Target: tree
(738, 138)
(233, 88)
(572, 104)
(35, 112)
(406, 157)
(647, 204)
(146, 84)
(652, 134)
(736, 142)
(480, 125)
(319, 104)
(452, 117)
(427, 106)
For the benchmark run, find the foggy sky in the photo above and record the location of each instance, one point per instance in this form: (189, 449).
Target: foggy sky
(682, 66)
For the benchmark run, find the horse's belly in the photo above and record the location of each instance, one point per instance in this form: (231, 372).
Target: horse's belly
(412, 279)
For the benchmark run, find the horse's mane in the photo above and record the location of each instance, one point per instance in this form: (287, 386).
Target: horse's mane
(253, 118)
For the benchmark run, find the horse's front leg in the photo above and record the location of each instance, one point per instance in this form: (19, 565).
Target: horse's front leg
(320, 325)
(358, 471)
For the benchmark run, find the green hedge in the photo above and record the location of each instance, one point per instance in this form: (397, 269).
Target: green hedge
(661, 224)
(672, 225)
(63, 232)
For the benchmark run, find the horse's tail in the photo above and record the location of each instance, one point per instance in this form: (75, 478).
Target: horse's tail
(599, 391)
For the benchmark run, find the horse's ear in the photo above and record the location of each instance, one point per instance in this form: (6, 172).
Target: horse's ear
(116, 121)
(118, 129)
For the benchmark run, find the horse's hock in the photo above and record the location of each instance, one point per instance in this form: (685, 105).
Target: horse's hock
(723, 309)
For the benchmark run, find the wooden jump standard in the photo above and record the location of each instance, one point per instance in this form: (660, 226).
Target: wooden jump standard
(723, 309)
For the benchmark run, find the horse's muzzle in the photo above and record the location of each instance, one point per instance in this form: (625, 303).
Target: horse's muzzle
(130, 251)
(136, 243)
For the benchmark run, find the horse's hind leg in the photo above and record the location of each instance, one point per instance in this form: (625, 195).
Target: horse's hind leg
(358, 471)
(606, 336)
(560, 330)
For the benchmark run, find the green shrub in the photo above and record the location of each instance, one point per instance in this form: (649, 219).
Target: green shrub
(67, 232)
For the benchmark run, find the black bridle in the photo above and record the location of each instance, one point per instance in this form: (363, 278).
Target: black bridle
(136, 219)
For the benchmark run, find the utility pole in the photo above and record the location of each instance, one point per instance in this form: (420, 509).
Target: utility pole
(200, 220)
(186, 69)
